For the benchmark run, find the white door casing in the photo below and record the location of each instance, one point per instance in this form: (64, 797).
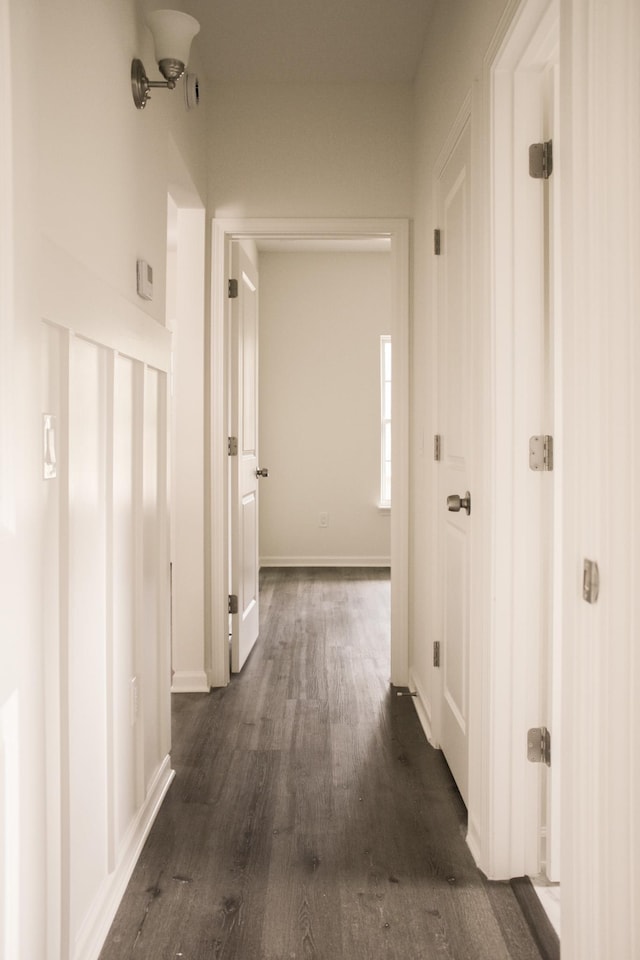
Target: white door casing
(454, 419)
(524, 669)
(244, 568)
(224, 232)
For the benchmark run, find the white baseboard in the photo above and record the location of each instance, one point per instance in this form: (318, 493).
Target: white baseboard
(473, 840)
(95, 928)
(190, 681)
(423, 707)
(325, 561)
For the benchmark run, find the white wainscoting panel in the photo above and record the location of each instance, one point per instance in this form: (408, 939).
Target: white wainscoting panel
(109, 765)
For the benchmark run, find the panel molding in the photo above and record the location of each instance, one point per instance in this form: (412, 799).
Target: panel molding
(93, 932)
(80, 936)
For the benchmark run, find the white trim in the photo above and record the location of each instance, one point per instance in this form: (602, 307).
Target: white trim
(506, 820)
(223, 233)
(423, 707)
(190, 681)
(325, 562)
(92, 934)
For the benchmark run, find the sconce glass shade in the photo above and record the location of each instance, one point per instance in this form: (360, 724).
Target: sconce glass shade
(172, 32)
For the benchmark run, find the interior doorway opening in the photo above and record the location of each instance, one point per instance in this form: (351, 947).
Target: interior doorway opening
(225, 232)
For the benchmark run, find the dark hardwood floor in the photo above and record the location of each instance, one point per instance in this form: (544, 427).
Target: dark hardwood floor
(309, 817)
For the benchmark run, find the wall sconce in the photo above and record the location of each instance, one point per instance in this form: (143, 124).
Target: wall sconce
(172, 35)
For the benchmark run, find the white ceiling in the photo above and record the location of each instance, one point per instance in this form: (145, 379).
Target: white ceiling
(308, 41)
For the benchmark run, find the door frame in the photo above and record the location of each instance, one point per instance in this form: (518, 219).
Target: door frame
(509, 841)
(224, 232)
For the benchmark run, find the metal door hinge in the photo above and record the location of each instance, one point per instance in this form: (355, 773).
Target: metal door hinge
(436, 242)
(541, 160)
(436, 653)
(541, 452)
(590, 581)
(539, 745)
(233, 603)
(437, 447)
(232, 446)
(232, 289)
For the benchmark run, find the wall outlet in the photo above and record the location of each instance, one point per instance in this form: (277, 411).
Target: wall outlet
(323, 520)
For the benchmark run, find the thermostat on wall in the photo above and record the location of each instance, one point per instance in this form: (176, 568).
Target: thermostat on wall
(145, 280)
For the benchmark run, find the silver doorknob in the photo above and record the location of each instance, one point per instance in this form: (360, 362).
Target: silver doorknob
(456, 503)
(262, 473)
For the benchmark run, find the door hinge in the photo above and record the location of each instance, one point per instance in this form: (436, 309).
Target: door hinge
(437, 447)
(233, 603)
(232, 292)
(539, 745)
(541, 160)
(232, 446)
(541, 452)
(436, 653)
(436, 242)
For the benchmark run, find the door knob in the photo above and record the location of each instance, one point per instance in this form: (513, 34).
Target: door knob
(456, 503)
(262, 473)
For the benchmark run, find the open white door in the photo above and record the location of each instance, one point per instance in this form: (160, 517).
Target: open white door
(454, 402)
(244, 562)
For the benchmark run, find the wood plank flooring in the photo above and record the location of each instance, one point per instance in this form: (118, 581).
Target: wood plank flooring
(309, 818)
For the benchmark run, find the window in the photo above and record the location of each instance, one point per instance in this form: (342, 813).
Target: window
(385, 421)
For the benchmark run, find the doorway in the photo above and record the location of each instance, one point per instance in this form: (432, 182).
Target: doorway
(224, 234)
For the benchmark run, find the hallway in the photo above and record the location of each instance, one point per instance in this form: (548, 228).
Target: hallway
(308, 816)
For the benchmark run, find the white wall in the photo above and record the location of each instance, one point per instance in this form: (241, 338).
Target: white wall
(341, 151)
(91, 176)
(321, 318)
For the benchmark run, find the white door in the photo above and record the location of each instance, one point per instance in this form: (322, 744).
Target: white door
(454, 402)
(244, 563)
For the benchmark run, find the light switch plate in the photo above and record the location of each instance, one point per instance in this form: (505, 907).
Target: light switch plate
(144, 280)
(49, 460)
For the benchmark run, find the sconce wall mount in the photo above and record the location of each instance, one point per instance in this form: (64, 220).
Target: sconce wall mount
(172, 32)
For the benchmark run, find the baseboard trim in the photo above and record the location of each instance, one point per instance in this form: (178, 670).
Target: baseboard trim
(422, 706)
(93, 933)
(325, 562)
(190, 681)
(473, 840)
(541, 928)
